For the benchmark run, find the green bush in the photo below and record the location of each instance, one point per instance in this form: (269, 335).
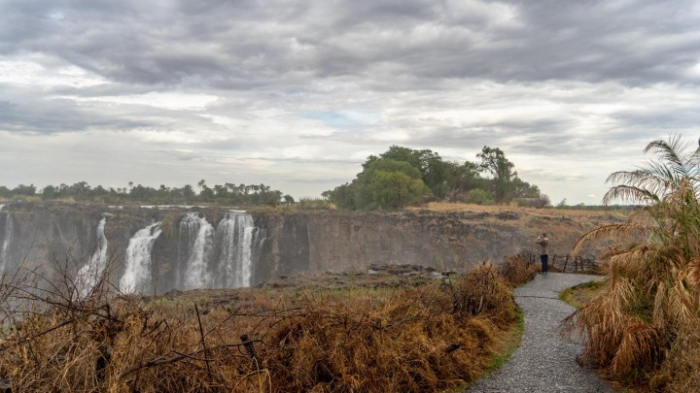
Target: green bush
(479, 197)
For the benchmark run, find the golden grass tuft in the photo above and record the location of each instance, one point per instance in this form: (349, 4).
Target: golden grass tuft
(516, 270)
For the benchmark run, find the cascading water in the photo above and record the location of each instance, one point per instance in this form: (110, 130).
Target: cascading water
(236, 236)
(221, 258)
(196, 241)
(6, 241)
(137, 276)
(90, 274)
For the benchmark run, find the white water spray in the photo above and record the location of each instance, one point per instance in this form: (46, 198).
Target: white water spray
(200, 237)
(5, 249)
(236, 232)
(90, 274)
(138, 260)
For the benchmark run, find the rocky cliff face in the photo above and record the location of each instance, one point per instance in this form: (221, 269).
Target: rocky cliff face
(336, 241)
(57, 234)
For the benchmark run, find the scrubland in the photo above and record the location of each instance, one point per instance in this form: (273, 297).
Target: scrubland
(333, 333)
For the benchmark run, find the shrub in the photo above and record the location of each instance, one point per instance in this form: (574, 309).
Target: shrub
(640, 328)
(478, 196)
(313, 204)
(432, 337)
(516, 270)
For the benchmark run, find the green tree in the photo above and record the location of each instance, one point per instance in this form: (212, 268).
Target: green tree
(49, 192)
(201, 184)
(24, 190)
(188, 192)
(494, 161)
(479, 197)
(344, 196)
(389, 184)
(462, 178)
(433, 170)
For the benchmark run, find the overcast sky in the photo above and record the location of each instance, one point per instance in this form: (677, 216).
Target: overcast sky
(296, 94)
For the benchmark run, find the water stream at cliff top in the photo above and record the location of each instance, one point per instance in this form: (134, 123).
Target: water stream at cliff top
(90, 274)
(137, 276)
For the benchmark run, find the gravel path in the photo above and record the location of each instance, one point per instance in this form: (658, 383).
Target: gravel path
(544, 362)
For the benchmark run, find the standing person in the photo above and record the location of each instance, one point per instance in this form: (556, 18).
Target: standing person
(543, 241)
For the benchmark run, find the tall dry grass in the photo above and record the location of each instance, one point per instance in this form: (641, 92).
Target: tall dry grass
(643, 328)
(430, 337)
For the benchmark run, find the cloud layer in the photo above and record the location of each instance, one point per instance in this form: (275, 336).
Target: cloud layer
(295, 94)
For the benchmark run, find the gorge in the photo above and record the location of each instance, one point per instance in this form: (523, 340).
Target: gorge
(149, 249)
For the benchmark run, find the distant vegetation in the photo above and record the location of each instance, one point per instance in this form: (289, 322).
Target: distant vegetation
(401, 176)
(396, 178)
(644, 327)
(230, 194)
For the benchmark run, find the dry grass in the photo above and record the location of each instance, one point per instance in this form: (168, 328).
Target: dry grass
(517, 270)
(550, 212)
(432, 336)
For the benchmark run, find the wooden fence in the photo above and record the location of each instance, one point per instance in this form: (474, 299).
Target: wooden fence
(565, 263)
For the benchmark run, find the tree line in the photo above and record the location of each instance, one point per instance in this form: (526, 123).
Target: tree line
(402, 176)
(228, 193)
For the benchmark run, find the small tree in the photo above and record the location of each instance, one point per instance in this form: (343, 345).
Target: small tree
(495, 162)
(478, 196)
(388, 184)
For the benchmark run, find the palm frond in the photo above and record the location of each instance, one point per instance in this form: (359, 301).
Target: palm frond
(670, 152)
(629, 262)
(660, 314)
(627, 193)
(653, 291)
(638, 345)
(615, 231)
(694, 272)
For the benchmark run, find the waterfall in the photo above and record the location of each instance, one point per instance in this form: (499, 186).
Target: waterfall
(5, 249)
(196, 241)
(137, 275)
(217, 258)
(238, 240)
(90, 274)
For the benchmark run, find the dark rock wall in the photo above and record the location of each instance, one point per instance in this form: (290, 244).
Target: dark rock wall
(297, 242)
(336, 241)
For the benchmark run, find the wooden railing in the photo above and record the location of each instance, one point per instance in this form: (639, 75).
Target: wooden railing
(565, 263)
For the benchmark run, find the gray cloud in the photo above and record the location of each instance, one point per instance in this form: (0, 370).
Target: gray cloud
(53, 116)
(301, 92)
(248, 44)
